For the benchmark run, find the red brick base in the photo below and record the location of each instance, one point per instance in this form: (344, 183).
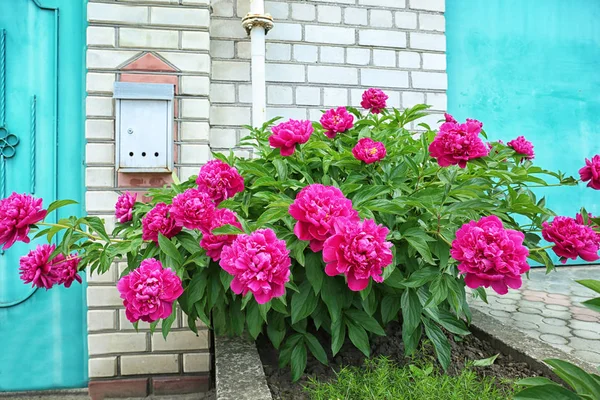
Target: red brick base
(142, 387)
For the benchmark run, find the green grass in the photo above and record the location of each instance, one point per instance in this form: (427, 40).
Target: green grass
(381, 379)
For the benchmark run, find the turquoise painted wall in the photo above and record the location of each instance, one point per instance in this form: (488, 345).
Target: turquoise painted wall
(44, 338)
(532, 68)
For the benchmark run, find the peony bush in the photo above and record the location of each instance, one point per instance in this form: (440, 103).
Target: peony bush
(333, 228)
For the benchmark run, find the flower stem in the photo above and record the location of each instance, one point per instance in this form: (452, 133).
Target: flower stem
(542, 248)
(88, 235)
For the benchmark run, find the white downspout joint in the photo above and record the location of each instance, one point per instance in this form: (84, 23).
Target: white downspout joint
(257, 24)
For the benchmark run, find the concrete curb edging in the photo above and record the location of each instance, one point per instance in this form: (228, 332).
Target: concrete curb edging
(519, 345)
(239, 370)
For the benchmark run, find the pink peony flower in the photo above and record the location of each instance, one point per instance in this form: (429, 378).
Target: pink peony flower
(149, 291)
(579, 219)
(490, 255)
(36, 267)
(458, 143)
(17, 213)
(124, 207)
(316, 208)
(288, 134)
(369, 151)
(336, 120)
(591, 172)
(260, 264)
(213, 244)
(65, 269)
(572, 239)
(358, 250)
(220, 180)
(193, 209)
(374, 100)
(522, 146)
(158, 221)
(449, 118)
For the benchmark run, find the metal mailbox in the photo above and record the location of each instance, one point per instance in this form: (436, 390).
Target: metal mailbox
(144, 127)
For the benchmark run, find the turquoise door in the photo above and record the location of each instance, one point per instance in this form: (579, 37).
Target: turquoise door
(531, 68)
(43, 333)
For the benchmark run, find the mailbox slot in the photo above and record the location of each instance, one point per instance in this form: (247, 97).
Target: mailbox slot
(144, 127)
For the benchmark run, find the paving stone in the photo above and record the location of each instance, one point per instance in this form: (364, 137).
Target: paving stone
(559, 302)
(526, 325)
(585, 344)
(556, 307)
(566, 315)
(553, 339)
(500, 314)
(554, 321)
(529, 310)
(589, 356)
(587, 335)
(507, 301)
(587, 318)
(531, 304)
(536, 319)
(588, 326)
(564, 331)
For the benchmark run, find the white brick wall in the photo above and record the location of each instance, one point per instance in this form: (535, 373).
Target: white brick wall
(323, 53)
(117, 34)
(320, 54)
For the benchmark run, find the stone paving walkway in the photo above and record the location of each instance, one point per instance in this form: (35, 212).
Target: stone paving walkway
(548, 308)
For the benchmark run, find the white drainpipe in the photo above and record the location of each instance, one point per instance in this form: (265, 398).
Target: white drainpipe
(257, 24)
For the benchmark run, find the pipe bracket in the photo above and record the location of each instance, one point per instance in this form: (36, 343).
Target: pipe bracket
(252, 20)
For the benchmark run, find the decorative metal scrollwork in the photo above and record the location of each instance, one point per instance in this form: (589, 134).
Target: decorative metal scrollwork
(8, 143)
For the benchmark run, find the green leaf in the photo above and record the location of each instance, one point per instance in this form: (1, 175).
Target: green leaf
(236, 317)
(592, 304)
(358, 336)
(390, 306)
(60, 203)
(422, 276)
(315, 271)
(576, 377)
(546, 392)
(98, 226)
(485, 362)
(254, 320)
(196, 288)
(303, 303)
(276, 329)
(369, 192)
(366, 321)
(420, 245)
(411, 310)
(167, 247)
(227, 230)
(298, 360)
(153, 326)
(330, 294)
(590, 284)
(440, 342)
(338, 334)
(189, 242)
(272, 215)
(168, 322)
(448, 321)
(225, 279)
(315, 348)
(411, 339)
(535, 381)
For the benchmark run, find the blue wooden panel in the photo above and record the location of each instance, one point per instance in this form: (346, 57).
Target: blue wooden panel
(531, 68)
(43, 333)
